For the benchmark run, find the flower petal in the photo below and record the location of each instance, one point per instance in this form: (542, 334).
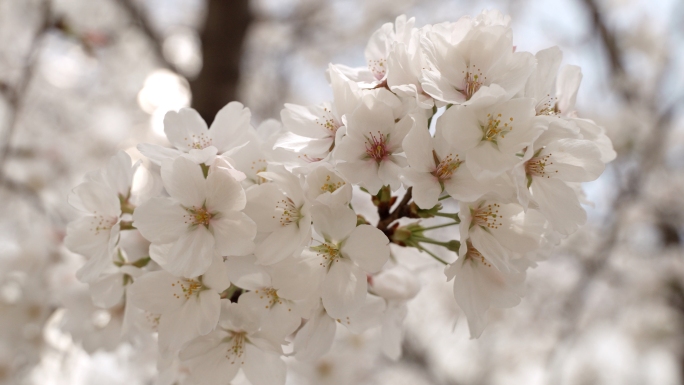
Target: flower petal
(230, 127)
(263, 368)
(160, 220)
(368, 247)
(184, 181)
(184, 127)
(316, 337)
(234, 233)
(344, 288)
(192, 253)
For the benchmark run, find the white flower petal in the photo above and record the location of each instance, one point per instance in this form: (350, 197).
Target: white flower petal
(316, 337)
(559, 203)
(155, 291)
(157, 154)
(278, 245)
(160, 220)
(246, 274)
(368, 247)
(334, 223)
(234, 233)
(216, 278)
(230, 126)
(263, 368)
(344, 289)
(184, 128)
(192, 253)
(184, 181)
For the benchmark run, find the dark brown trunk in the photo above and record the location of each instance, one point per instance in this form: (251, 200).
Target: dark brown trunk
(222, 39)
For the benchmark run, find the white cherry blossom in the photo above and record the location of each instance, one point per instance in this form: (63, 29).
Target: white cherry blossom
(370, 153)
(491, 136)
(324, 185)
(478, 286)
(313, 131)
(188, 133)
(279, 294)
(236, 344)
(475, 64)
(436, 166)
(187, 308)
(101, 197)
(558, 157)
(282, 216)
(201, 219)
(316, 337)
(497, 230)
(347, 253)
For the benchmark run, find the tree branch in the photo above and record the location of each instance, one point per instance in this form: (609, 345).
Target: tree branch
(16, 95)
(157, 42)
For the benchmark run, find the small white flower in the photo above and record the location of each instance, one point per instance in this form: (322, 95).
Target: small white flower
(478, 286)
(202, 218)
(187, 308)
(479, 63)
(557, 158)
(347, 253)
(312, 131)
(96, 235)
(326, 186)
(436, 166)
(497, 230)
(279, 294)
(491, 136)
(282, 215)
(188, 133)
(236, 344)
(369, 154)
(315, 338)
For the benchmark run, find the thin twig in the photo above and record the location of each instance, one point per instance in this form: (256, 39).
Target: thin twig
(16, 95)
(139, 17)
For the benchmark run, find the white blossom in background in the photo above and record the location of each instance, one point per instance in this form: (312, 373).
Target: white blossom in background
(261, 243)
(101, 197)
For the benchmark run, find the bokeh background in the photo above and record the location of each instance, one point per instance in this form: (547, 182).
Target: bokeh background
(81, 79)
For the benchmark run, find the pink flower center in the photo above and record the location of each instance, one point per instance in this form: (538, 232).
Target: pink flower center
(495, 128)
(474, 254)
(376, 147)
(188, 288)
(446, 167)
(377, 67)
(486, 216)
(473, 81)
(537, 166)
(198, 216)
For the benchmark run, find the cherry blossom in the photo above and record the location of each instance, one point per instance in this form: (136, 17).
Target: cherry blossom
(201, 218)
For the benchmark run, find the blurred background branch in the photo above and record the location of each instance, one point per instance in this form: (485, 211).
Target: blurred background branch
(89, 78)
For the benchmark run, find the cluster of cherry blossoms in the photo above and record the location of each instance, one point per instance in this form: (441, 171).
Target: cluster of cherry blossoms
(255, 250)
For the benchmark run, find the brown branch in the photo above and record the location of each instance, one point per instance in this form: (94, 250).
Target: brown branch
(650, 156)
(157, 41)
(611, 46)
(16, 95)
(403, 209)
(222, 39)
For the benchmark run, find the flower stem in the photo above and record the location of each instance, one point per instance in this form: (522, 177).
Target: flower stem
(444, 197)
(421, 248)
(453, 216)
(440, 226)
(434, 111)
(126, 225)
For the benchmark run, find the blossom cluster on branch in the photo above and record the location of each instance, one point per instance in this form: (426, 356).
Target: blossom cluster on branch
(255, 250)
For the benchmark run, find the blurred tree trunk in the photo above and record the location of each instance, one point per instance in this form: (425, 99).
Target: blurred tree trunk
(222, 39)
